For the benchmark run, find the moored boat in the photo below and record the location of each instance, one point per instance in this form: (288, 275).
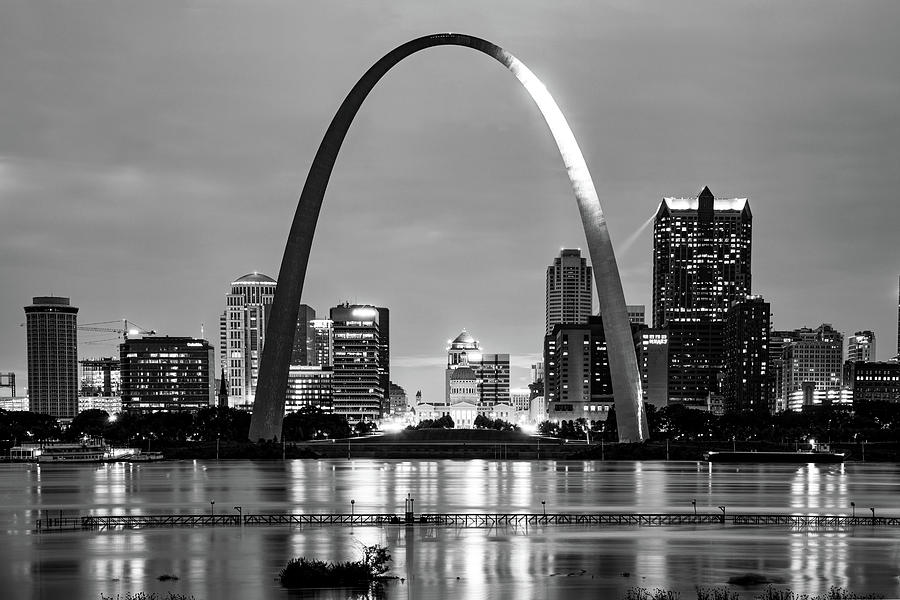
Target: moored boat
(774, 457)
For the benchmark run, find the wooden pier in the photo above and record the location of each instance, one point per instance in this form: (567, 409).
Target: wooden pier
(461, 520)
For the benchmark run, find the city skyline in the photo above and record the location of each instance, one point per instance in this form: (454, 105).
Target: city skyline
(115, 217)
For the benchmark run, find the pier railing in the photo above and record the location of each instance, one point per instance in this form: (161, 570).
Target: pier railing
(462, 520)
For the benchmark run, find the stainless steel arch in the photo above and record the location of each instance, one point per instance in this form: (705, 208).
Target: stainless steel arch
(268, 407)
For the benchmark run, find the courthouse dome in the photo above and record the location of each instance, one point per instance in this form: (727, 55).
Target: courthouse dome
(464, 338)
(254, 277)
(463, 373)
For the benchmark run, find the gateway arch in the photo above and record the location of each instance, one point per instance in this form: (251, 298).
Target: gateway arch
(268, 407)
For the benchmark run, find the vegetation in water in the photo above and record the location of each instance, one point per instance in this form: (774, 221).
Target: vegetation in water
(311, 573)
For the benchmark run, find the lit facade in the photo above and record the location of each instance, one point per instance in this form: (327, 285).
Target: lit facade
(811, 368)
(360, 362)
(861, 347)
(569, 289)
(100, 377)
(242, 334)
(747, 325)
(111, 404)
(167, 374)
(309, 387)
(701, 264)
(399, 401)
(52, 349)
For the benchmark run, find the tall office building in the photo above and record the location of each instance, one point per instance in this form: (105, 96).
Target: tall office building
(747, 325)
(242, 333)
(861, 347)
(171, 374)
(701, 264)
(491, 370)
(360, 355)
(569, 289)
(304, 349)
(52, 348)
(812, 368)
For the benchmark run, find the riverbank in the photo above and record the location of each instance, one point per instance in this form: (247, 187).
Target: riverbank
(491, 445)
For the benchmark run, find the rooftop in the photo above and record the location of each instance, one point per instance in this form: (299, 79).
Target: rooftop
(254, 277)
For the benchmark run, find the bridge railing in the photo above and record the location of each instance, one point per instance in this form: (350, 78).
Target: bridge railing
(470, 520)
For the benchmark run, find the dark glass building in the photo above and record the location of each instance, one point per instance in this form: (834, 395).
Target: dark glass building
(52, 347)
(747, 355)
(701, 264)
(167, 374)
(873, 381)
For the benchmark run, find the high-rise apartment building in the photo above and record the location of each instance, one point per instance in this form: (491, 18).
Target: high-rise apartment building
(812, 368)
(52, 348)
(747, 325)
(167, 374)
(399, 401)
(569, 289)
(577, 381)
(242, 333)
(701, 264)
(491, 370)
(361, 361)
(861, 347)
(323, 342)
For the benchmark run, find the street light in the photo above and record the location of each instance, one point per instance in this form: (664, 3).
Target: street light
(544, 504)
(240, 511)
(853, 508)
(872, 508)
(694, 504)
(722, 508)
(212, 509)
(352, 502)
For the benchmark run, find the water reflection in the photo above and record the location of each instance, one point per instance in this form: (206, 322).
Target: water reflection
(551, 562)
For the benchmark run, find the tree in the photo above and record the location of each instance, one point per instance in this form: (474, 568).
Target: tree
(88, 423)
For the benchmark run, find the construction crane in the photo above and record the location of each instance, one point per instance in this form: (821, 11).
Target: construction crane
(127, 328)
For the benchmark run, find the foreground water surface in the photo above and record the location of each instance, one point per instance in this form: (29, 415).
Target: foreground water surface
(544, 562)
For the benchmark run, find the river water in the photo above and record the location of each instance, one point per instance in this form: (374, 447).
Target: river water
(553, 562)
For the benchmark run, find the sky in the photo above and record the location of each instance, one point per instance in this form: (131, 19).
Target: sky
(152, 152)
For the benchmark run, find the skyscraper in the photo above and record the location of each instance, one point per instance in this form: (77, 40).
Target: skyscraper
(167, 374)
(701, 264)
(861, 347)
(747, 325)
(52, 348)
(569, 289)
(304, 350)
(360, 391)
(242, 333)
